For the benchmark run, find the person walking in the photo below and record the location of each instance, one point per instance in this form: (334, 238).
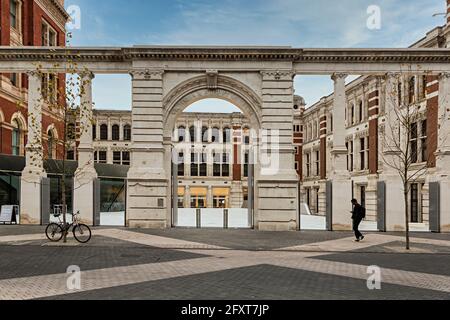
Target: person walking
(358, 214)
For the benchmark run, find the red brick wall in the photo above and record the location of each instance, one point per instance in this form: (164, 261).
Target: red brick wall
(432, 118)
(374, 104)
(32, 16)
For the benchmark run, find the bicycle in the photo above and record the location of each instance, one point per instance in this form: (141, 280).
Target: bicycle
(55, 231)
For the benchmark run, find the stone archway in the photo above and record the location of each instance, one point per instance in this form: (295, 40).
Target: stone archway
(198, 88)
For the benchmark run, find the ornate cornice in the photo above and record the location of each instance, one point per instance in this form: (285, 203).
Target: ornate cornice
(56, 11)
(147, 74)
(228, 54)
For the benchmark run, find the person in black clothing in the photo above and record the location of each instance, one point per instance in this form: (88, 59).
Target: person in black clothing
(358, 214)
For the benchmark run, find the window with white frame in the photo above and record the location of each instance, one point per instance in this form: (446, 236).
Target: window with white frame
(363, 153)
(48, 35)
(14, 14)
(308, 164)
(317, 162)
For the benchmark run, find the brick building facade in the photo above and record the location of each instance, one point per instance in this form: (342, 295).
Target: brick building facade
(29, 23)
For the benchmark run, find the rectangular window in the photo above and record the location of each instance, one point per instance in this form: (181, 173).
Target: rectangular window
(126, 158)
(14, 79)
(220, 202)
(225, 165)
(413, 143)
(350, 156)
(362, 153)
(216, 165)
(116, 157)
(203, 166)
(246, 163)
(181, 164)
(48, 35)
(13, 14)
(424, 141)
(308, 165)
(414, 203)
(70, 155)
(102, 157)
(317, 163)
(194, 165)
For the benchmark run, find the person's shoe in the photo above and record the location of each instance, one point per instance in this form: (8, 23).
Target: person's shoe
(362, 238)
(356, 240)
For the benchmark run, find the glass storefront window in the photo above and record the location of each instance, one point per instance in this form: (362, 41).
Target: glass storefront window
(9, 189)
(56, 192)
(112, 195)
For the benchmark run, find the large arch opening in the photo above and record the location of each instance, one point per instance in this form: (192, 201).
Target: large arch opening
(210, 136)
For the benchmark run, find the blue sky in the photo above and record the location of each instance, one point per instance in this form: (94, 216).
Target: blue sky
(297, 23)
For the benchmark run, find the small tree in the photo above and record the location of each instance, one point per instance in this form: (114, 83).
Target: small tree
(64, 101)
(400, 151)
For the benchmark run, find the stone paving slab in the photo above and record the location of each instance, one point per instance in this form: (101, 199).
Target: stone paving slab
(260, 282)
(437, 264)
(246, 239)
(34, 260)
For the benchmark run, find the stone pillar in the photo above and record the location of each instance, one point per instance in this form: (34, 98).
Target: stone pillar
(148, 181)
(187, 197)
(209, 198)
(32, 174)
(276, 178)
(342, 186)
(443, 151)
(371, 191)
(85, 174)
(395, 207)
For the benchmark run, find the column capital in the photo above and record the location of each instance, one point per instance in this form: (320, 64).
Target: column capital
(277, 74)
(147, 74)
(339, 76)
(87, 74)
(392, 75)
(444, 75)
(34, 74)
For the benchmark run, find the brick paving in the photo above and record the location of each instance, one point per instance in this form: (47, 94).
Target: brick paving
(222, 264)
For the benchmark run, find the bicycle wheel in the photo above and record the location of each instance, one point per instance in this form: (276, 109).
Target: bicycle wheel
(82, 233)
(54, 232)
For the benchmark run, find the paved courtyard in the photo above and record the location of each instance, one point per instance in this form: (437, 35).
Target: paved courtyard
(222, 264)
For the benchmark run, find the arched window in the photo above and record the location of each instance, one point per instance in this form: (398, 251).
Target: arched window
(227, 135)
(127, 132)
(181, 134)
(103, 132)
(215, 136)
(204, 134)
(115, 130)
(50, 144)
(193, 134)
(16, 138)
(71, 131)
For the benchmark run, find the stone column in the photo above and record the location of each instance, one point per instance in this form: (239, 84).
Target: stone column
(148, 181)
(276, 179)
(443, 151)
(395, 208)
(209, 198)
(85, 174)
(32, 174)
(187, 197)
(342, 186)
